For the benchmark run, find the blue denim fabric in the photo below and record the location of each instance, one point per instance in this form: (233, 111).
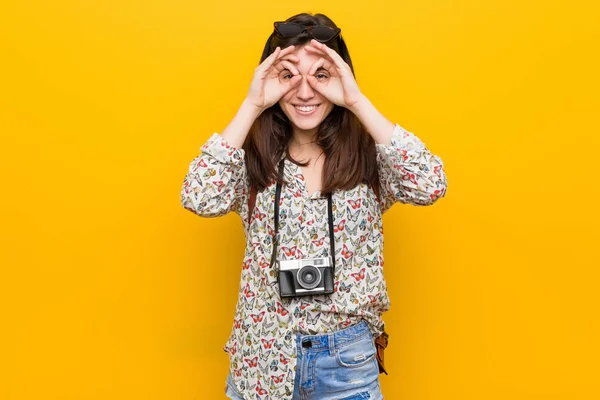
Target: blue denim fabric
(340, 365)
(232, 391)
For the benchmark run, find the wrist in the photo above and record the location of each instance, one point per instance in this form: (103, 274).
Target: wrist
(360, 105)
(250, 109)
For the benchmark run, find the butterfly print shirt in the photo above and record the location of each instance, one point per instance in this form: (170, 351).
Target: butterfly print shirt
(261, 346)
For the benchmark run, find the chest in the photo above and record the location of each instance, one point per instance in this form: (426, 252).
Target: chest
(312, 175)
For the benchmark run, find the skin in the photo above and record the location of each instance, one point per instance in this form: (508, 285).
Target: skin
(285, 77)
(303, 94)
(302, 146)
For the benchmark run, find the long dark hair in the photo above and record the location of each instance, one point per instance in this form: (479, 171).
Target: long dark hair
(350, 157)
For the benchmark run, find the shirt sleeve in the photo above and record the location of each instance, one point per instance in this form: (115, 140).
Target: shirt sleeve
(216, 181)
(408, 172)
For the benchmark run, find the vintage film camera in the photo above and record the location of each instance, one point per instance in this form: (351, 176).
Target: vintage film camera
(311, 276)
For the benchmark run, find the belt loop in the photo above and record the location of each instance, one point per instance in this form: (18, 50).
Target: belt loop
(331, 343)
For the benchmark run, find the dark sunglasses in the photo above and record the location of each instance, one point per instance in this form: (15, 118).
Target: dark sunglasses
(320, 33)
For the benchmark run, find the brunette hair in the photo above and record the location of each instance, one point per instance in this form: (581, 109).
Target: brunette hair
(350, 157)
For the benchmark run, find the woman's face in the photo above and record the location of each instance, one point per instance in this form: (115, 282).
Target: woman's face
(299, 103)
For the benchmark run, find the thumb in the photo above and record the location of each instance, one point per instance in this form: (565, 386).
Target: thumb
(312, 81)
(291, 83)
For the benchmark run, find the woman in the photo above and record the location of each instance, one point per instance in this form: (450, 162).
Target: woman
(310, 165)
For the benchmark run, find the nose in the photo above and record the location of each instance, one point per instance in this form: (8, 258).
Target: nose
(305, 91)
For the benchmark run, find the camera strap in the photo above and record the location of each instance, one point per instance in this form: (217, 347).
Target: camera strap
(276, 233)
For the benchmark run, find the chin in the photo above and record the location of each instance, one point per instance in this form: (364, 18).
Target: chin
(306, 122)
(306, 125)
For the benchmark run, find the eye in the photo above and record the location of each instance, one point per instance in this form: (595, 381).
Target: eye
(321, 76)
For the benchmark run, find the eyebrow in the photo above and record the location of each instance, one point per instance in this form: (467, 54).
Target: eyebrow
(318, 69)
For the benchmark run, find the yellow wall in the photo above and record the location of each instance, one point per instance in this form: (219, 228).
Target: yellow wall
(111, 290)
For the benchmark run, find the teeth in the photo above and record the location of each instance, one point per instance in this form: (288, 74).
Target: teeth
(306, 109)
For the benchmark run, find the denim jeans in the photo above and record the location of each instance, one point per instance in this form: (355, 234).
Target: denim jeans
(340, 365)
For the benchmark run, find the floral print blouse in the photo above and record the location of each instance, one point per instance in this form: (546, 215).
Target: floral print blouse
(262, 346)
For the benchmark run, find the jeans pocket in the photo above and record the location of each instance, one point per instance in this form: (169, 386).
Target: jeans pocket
(356, 353)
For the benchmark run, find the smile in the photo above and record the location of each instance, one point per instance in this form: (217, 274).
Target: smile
(306, 110)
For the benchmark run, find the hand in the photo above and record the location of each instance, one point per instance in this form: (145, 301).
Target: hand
(266, 88)
(341, 87)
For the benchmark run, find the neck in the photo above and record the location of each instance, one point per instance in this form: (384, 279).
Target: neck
(304, 141)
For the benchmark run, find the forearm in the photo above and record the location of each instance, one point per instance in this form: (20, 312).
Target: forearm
(376, 124)
(216, 180)
(235, 133)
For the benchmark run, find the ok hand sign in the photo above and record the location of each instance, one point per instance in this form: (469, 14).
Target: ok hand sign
(266, 88)
(341, 88)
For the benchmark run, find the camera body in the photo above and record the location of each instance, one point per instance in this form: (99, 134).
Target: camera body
(311, 276)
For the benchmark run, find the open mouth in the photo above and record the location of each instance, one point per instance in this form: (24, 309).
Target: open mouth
(306, 110)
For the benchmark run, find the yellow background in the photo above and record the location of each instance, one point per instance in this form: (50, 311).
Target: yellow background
(111, 290)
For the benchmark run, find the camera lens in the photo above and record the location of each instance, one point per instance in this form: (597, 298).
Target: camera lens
(309, 277)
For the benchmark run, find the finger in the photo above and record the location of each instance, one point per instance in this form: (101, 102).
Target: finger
(329, 61)
(314, 83)
(290, 84)
(270, 60)
(293, 82)
(294, 60)
(291, 57)
(266, 64)
(322, 62)
(310, 47)
(286, 51)
(318, 64)
(283, 65)
(283, 54)
(337, 59)
(318, 52)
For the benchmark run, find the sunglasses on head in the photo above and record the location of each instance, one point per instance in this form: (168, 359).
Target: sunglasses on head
(320, 33)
